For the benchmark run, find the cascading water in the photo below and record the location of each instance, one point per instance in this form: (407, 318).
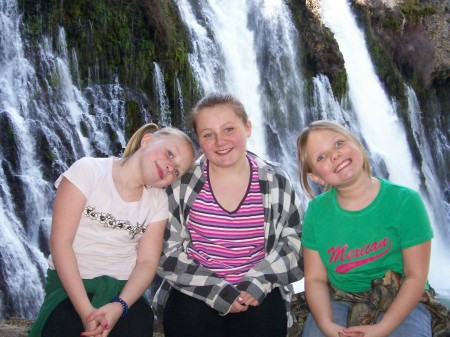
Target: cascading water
(439, 209)
(371, 117)
(15, 73)
(161, 96)
(376, 114)
(282, 84)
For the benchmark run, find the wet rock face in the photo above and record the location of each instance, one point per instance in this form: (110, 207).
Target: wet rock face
(419, 40)
(438, 29)
(415, 33)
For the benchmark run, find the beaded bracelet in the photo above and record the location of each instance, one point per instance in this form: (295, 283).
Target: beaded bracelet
(124, 305)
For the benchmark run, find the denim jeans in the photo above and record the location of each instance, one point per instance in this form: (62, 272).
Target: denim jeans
(417, 324)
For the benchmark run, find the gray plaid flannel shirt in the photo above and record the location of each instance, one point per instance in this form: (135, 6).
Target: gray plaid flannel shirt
(281, 266)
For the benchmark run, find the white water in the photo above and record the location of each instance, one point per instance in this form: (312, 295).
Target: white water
(376, 114)
(15, 73)
(440, 268)
(161, 96)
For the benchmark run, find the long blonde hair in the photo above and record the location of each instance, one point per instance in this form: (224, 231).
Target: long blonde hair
(134, 143)
(302, 141)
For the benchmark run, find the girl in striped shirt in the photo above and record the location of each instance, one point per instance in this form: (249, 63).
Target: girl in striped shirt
(233, 236)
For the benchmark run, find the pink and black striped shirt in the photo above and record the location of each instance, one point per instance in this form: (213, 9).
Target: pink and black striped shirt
(228, 243)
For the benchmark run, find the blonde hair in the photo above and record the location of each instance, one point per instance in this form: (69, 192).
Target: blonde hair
(213, 99)
(302, 141)
(134, 143)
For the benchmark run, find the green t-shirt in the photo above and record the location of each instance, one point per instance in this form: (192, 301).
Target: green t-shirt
(357, 247)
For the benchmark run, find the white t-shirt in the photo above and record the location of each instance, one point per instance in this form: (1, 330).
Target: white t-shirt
(110, 228)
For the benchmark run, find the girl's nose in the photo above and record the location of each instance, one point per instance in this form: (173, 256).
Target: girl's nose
(220, 139)
(335, 155)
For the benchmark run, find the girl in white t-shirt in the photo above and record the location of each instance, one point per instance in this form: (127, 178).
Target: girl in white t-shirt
(107, 231)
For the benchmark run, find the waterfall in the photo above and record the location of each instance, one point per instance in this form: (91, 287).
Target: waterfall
(180, 104)
(376, 113)
(161, 97)
(439, 209)
(20, 260)
(325, 106)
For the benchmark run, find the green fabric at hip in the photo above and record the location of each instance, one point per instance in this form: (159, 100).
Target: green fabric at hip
(103, 288)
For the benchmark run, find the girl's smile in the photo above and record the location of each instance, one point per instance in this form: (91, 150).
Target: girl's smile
(342, 165)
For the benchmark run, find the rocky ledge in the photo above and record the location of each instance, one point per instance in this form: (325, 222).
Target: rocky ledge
(18, 327)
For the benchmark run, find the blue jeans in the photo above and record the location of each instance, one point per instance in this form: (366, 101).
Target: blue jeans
(417, 324)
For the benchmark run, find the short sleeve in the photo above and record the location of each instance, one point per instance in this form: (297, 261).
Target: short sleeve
(308, 233)
(415, 227)
(160, 210)
(82, 174)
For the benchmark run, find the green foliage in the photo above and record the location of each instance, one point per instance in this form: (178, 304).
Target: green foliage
(388, 19)
(116, 38)
(49, 155)
(415, 10)
(134, 121)
(339, 84)
(172, 47)
(318, 48)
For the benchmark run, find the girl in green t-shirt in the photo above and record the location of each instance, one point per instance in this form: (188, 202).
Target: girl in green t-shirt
(359, 230)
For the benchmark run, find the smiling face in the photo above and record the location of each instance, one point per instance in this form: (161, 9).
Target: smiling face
(222, 135)
(164, 159)
(333, 158)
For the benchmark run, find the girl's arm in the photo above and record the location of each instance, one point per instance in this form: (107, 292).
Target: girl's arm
(281, 265)
(416, 262)
(149, 251)
(67, 210)
(317, 293)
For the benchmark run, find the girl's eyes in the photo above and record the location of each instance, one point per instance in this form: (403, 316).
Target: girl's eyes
(176, 172)
(170, 154)
(338, 144)
(211, 134)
